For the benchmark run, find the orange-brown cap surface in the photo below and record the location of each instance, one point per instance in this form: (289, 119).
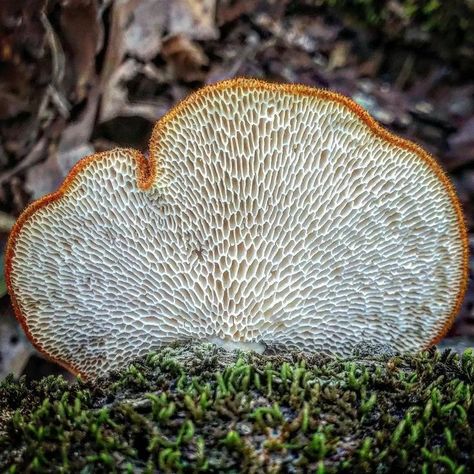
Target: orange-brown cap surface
(267, 213)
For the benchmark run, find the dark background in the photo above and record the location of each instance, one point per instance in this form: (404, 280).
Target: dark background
(78, 76)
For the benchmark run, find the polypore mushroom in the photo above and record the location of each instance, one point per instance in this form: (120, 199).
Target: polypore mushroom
(266, 213)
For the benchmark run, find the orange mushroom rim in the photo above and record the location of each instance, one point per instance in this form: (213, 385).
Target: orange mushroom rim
(148, 173)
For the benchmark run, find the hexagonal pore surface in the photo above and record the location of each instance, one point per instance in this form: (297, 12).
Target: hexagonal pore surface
(275, 216)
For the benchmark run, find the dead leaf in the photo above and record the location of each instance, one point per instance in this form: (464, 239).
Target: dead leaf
(116, 101)
(142, 36)
(6, 223)
(231, 10)
(25, 71)
(465, 135)
(339, 55)
(15, 350)
(371, 66)
(35, 155)
(136, 29)
(73, 145)
(48, 176)
(461, 145)
(19, 198)
(185, 57)
(195, 19)
(80, 28)
(79, 132)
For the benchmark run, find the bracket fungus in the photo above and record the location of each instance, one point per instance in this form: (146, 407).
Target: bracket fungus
(266, 213)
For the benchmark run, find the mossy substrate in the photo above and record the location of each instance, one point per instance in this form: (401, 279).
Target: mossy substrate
(198, 408)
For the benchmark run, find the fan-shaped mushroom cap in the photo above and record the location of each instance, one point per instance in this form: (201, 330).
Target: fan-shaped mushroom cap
(266, 214)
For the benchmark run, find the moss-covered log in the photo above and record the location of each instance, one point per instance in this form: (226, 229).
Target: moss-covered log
(193, 408)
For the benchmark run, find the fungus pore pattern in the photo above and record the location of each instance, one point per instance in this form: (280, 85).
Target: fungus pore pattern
(266, 214)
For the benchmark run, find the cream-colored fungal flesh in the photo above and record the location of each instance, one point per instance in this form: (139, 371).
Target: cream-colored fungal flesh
(274, 218)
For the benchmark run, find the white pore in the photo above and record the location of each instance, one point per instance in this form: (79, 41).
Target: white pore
(276, 218)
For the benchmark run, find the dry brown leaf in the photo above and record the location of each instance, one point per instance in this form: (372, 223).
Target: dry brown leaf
(230, 10)
(195, 19)
(25, 56)
(79, 132)
(81, 30)
(6, 222)
(15, 349)
(142, 36)
(47, 177)
(185, 57)
(36, 154)
(461, 145)
(136, 29)
(339, 55)
(74, 144)
(117, 102)
(464, 136)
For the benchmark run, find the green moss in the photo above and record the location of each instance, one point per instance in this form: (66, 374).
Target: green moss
(196, 408)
